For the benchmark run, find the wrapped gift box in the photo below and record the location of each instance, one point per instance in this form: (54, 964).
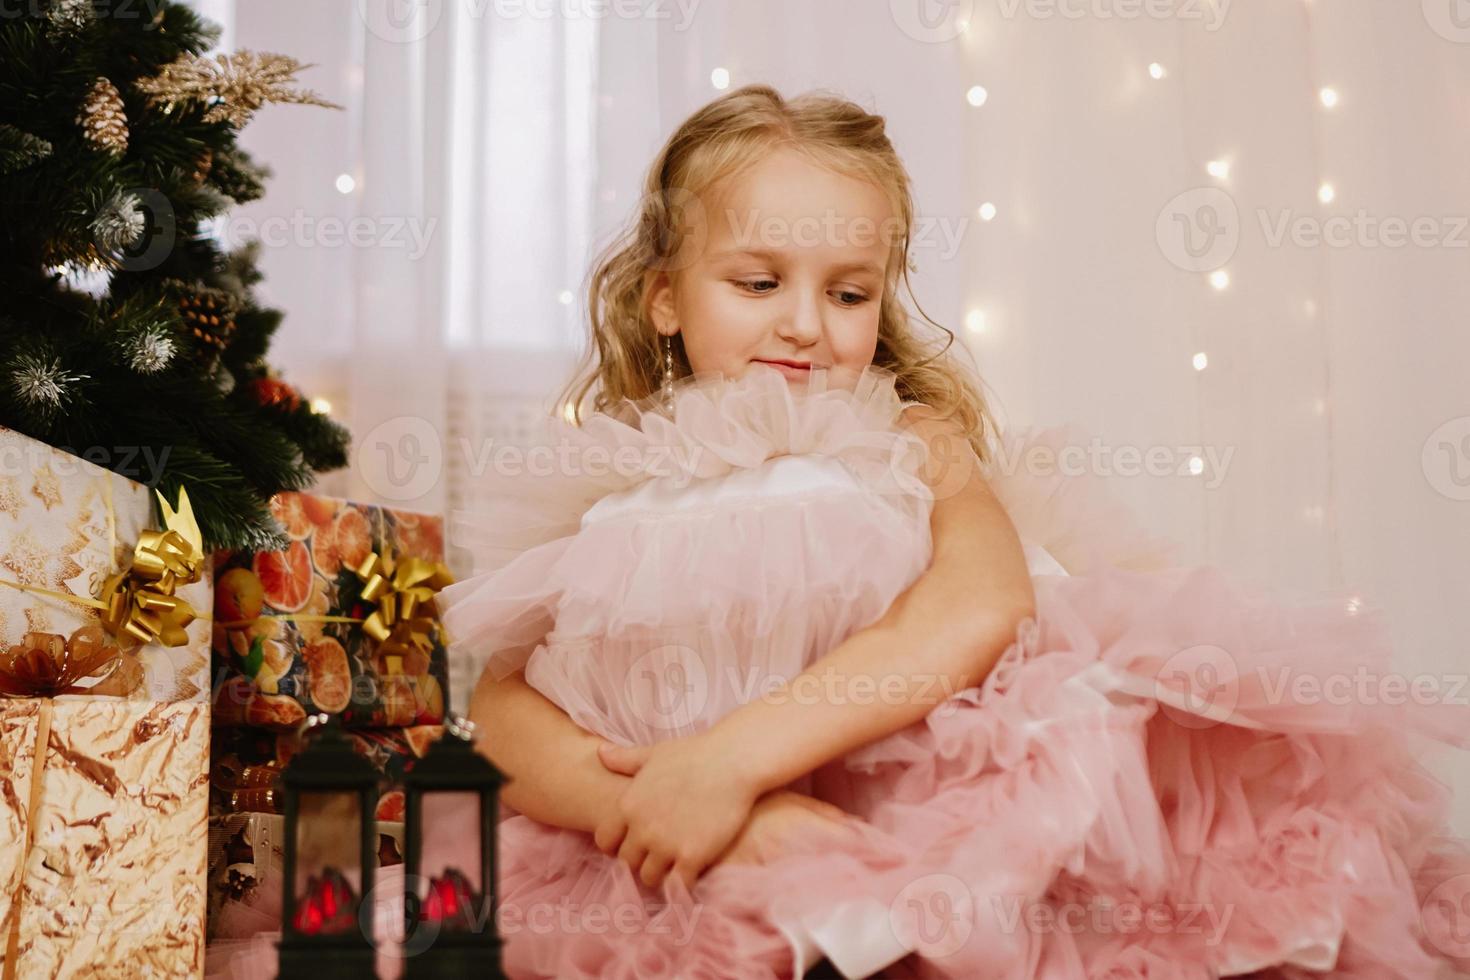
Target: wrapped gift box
(277, 660)
(65, 526)
(104, 780)
(113, 883)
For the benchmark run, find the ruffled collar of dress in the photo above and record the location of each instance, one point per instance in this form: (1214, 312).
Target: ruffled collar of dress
(717, 425)
(870, 383)
(724, 423)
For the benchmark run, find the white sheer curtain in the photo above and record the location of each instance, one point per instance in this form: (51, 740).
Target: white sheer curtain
(1307, 411)
(464, 158)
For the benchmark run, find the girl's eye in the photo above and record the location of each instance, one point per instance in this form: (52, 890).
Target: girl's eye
(751, 283)
(845, 296)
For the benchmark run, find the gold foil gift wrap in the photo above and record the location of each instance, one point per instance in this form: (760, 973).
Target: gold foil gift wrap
(113, 883)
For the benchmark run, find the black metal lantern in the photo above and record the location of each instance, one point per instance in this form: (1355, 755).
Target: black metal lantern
(450, 904)
(330, 854)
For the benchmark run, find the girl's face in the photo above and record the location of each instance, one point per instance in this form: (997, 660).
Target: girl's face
(785, 261)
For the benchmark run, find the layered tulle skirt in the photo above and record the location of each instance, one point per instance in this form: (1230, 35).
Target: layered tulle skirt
(1137, 789)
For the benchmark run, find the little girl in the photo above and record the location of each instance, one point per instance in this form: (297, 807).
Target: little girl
(784, 668)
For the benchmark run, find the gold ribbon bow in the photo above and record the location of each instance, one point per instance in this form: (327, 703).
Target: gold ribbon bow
(140, 602)
(403, 590)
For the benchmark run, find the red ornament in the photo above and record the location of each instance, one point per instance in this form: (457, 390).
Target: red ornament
(274, 391)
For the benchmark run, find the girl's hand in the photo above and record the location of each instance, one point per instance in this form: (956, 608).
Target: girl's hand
(685, 805)
(779, 819)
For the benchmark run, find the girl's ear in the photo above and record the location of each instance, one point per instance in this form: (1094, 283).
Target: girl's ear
(660, 293)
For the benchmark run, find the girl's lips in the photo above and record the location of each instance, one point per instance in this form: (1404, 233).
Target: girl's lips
(787, 369)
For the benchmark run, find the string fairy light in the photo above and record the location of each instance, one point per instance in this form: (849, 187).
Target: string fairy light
(1324, 514)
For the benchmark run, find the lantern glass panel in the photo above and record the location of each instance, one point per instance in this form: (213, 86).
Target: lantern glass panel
(450, 869)
(328, 854)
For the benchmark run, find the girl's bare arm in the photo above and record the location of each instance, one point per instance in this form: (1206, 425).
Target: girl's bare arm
(943, 634)
(554, 775)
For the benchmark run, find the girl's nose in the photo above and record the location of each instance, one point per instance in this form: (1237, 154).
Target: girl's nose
(801, 324)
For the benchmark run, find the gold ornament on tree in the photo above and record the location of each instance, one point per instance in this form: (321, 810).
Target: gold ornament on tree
(102, 118)
(232, 86)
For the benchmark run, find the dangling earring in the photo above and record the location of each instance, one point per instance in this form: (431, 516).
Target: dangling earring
(668, 386)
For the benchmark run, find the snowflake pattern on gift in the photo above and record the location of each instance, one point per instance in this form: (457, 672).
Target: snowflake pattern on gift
(47, 487)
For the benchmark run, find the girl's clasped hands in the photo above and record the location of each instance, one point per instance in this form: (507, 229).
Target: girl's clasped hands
(688, 807)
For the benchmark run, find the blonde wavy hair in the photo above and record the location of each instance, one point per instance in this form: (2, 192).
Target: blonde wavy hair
(623, 360)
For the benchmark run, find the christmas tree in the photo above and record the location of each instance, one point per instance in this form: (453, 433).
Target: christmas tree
(128, 336)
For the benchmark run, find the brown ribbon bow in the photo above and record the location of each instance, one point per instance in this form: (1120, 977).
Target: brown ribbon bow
(49, 664)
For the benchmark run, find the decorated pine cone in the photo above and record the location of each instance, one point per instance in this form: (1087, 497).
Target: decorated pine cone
(67, 18)
(210, 317)
(103, 120)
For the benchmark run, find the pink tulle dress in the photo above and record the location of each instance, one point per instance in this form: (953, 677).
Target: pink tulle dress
(1150, 783)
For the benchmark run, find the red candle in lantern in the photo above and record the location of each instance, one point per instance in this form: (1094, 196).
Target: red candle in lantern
(327, 905)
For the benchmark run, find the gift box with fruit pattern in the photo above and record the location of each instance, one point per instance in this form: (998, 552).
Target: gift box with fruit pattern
(292, 630)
